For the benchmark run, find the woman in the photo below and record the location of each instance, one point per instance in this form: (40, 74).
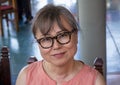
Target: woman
(55, 30)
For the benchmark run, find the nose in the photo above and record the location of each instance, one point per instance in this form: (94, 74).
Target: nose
(56, 44)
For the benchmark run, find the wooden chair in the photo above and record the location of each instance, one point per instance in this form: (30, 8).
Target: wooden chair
(5, 75)
(98, 64)
(8, 7)
(31, 59)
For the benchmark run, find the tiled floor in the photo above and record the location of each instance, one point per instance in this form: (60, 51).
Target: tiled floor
(22, 44)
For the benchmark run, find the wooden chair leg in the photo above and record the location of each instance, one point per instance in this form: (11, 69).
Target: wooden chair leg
(1, 27)
(7, 20)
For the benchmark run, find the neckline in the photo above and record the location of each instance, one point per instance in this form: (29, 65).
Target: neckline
(65, 82)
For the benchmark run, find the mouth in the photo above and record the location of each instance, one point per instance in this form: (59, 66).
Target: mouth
(59, 55)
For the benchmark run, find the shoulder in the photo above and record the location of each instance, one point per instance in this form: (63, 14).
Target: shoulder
(98, 78)
(84, 68)
(87, 69)
(22, 76)
(34, 66)
(89, 72)
(21, 79)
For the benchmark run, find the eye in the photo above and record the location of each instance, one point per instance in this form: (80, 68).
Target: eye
(63, 35)
(45, 40)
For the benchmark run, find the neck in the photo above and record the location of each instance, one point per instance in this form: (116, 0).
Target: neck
(60, 73)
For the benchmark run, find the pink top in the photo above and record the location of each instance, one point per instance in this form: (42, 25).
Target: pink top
(37, 76)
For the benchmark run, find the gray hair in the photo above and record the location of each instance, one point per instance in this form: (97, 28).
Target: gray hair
(49, 14)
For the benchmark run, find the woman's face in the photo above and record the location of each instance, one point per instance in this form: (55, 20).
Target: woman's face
(59, 54)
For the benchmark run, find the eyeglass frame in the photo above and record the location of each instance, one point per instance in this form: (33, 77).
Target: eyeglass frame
(55, 37)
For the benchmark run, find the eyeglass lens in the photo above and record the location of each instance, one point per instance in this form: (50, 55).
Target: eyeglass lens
(62, 38)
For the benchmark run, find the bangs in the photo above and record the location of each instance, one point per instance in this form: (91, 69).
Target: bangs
(45, 18)
(46, 23)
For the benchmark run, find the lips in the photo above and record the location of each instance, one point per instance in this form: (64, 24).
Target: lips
(59, 55)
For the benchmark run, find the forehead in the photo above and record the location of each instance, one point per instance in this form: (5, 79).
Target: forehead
(64, 27)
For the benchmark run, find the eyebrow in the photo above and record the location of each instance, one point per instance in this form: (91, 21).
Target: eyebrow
(49, 35)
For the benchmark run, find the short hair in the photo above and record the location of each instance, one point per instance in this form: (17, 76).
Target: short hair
(49, 14)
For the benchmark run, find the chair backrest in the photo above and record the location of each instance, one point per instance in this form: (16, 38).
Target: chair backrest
(98, 64)
(13, 3)
(5, 75)
(5, 2)
(31, 59)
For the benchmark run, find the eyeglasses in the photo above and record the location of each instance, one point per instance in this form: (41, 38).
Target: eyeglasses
(62, 38)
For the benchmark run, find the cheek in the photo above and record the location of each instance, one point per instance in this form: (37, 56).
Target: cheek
(74, 41)
(72, 46)
(44, 52)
